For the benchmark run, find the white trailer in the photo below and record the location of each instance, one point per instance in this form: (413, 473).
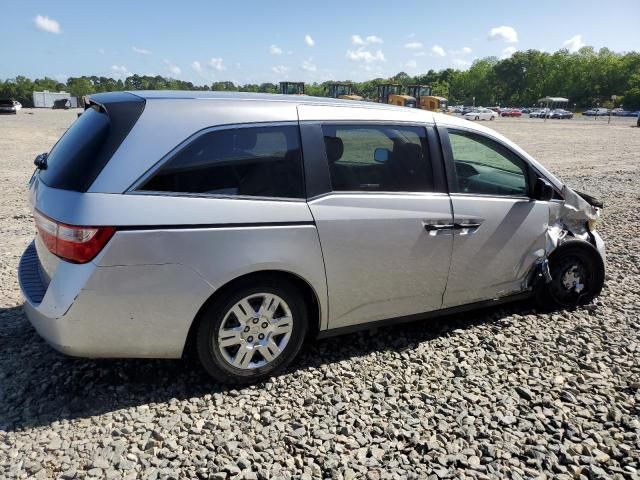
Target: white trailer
(45, 99)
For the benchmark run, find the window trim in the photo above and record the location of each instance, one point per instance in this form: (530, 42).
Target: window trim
(133, 189)
(317, 174)
(449, 163)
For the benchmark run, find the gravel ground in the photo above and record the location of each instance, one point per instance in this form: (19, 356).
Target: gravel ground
(505, 392)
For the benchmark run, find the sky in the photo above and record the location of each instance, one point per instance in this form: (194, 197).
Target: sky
(262, 41)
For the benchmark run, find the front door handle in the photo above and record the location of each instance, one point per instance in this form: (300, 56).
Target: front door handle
(459, 226)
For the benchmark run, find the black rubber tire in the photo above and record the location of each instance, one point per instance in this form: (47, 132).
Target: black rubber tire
(552, 296)
(213, 314)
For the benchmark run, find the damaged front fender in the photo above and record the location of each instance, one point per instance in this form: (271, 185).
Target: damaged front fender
(574, 217)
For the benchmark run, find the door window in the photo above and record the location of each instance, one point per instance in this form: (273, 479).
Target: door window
(485, 167)
(255, 162)
(377, 158)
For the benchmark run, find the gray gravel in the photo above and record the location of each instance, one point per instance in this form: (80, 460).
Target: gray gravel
(505, 392)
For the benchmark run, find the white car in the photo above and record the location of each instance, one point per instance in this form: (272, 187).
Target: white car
(481, 114)
(9, 106)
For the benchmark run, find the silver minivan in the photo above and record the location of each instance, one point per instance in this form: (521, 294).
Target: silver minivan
(241, 224)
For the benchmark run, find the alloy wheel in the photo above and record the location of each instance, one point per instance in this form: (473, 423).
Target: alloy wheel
(255, 331)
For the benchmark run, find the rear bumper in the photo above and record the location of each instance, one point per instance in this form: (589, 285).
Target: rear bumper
(141, 311)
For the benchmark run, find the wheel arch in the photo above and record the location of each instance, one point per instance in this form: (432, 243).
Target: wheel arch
(310, 296)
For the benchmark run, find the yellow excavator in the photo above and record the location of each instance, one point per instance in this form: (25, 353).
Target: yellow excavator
(424, 98)
(343, 91)
(291, 88)
(391, 93)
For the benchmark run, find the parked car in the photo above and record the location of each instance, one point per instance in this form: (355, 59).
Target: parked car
(561, 114)
(481, 114)
(511, 112)
(525, 110)
(237, 226)
(62, 104)
(596, 112)
(9, 106)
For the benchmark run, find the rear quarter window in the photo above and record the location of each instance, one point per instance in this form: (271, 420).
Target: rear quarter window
(246, 162)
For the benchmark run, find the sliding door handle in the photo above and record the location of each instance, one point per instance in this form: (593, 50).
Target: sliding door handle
(435, 227)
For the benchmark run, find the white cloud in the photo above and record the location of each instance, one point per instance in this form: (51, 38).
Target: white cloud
(196, 66)
(173, 69)
(411, 64)
(363, 55)
(101, 51)
(308, 40)
(413, 45)
(120, 71)
(419, 54)
(308, 65)
(46, 24)
(217, 64)
(507, 52)
(141, 51)
(504, 33)
(358, 40)
(438, 50)
(574, 44)
(280, 69)
(275, 50)
(466, 50)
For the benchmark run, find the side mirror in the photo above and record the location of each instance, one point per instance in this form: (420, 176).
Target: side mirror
(543, 190)
(381, 155)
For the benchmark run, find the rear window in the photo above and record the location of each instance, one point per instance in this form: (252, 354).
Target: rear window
(71, 158)
(86, 147)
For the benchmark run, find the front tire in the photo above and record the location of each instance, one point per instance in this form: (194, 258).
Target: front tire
(253, 333)
(577, 276)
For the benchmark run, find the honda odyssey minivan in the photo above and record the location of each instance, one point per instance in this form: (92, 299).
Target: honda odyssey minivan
(241, 224)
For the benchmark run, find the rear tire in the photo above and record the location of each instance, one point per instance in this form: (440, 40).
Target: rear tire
(253, 333)
(577, 276)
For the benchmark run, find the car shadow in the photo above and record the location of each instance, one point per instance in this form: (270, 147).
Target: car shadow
(39, 386)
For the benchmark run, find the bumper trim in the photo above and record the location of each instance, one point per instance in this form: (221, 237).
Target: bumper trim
(29, 276)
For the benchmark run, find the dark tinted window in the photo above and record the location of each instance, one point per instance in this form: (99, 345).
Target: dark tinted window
(378, 158)
(486, 167)
(256, 162)
(86, 147)
(71, 157)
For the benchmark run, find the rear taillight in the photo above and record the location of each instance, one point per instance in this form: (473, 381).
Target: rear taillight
(72, 243)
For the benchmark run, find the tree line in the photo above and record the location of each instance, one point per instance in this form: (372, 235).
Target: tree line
(586, 77)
